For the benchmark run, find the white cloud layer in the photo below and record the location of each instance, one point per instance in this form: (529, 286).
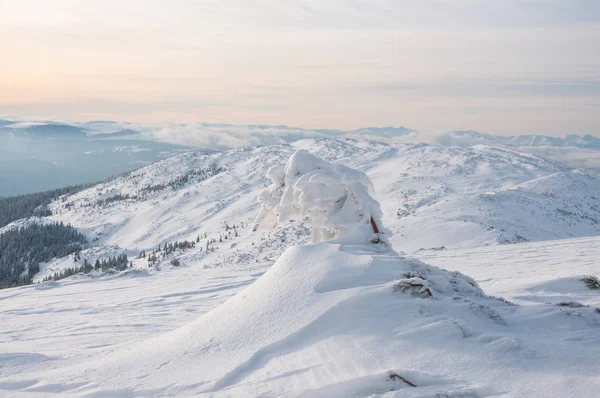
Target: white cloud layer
(511, 66)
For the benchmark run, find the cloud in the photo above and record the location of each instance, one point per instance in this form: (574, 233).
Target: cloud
(507, 66)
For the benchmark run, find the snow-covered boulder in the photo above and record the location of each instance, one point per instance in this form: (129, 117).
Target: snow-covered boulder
(333, 197)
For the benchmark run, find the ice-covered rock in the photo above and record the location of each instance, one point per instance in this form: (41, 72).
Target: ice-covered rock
(334, 198)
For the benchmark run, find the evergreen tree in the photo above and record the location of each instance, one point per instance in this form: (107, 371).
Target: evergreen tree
(35, 204)
(22, 249)
(87, 267)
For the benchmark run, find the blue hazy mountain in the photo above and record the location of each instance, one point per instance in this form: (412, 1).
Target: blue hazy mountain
(46, 156)
(587, 141)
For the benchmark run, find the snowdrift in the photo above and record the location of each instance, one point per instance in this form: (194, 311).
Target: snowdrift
(324, 312)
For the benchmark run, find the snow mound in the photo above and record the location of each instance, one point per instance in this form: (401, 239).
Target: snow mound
(313, 293)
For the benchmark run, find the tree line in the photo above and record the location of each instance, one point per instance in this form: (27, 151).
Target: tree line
(167, 248)
(34, 204)
(117, 263)
(176, 183)
(23, 249)
(163, 250)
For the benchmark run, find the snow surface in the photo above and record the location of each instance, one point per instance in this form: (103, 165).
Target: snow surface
(545, 351)
(331, 319)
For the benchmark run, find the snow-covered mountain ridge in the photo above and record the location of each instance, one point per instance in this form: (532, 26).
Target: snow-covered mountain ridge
(223, 136)
(471, 196)
(431, 197)
(40, 155)
(532, 140)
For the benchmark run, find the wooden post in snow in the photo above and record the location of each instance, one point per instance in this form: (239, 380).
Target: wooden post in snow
(374, 226)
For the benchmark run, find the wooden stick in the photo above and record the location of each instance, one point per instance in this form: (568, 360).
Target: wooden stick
(374, 226)
(394, 376)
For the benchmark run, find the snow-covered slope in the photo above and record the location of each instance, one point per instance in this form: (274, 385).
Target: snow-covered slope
(486, 195)
(529, 273)
(483, 195)
(197, 196)
(432, 197)
(342, 318)
(294, 332)
(175, 199)
(436, 196)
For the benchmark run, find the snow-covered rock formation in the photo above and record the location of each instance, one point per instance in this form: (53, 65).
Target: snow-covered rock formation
(334, 198)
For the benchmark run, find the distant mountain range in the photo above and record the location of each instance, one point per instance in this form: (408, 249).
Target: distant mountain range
(42, 155)
(263, 134)
(571, 140)
(37, 156)
(66, 131)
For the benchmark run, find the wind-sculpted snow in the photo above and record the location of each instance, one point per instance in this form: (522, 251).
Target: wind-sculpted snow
(334, 198)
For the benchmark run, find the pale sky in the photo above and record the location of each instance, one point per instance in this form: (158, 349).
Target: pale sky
(504, 67)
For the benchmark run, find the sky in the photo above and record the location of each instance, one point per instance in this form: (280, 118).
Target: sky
(503, 67)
